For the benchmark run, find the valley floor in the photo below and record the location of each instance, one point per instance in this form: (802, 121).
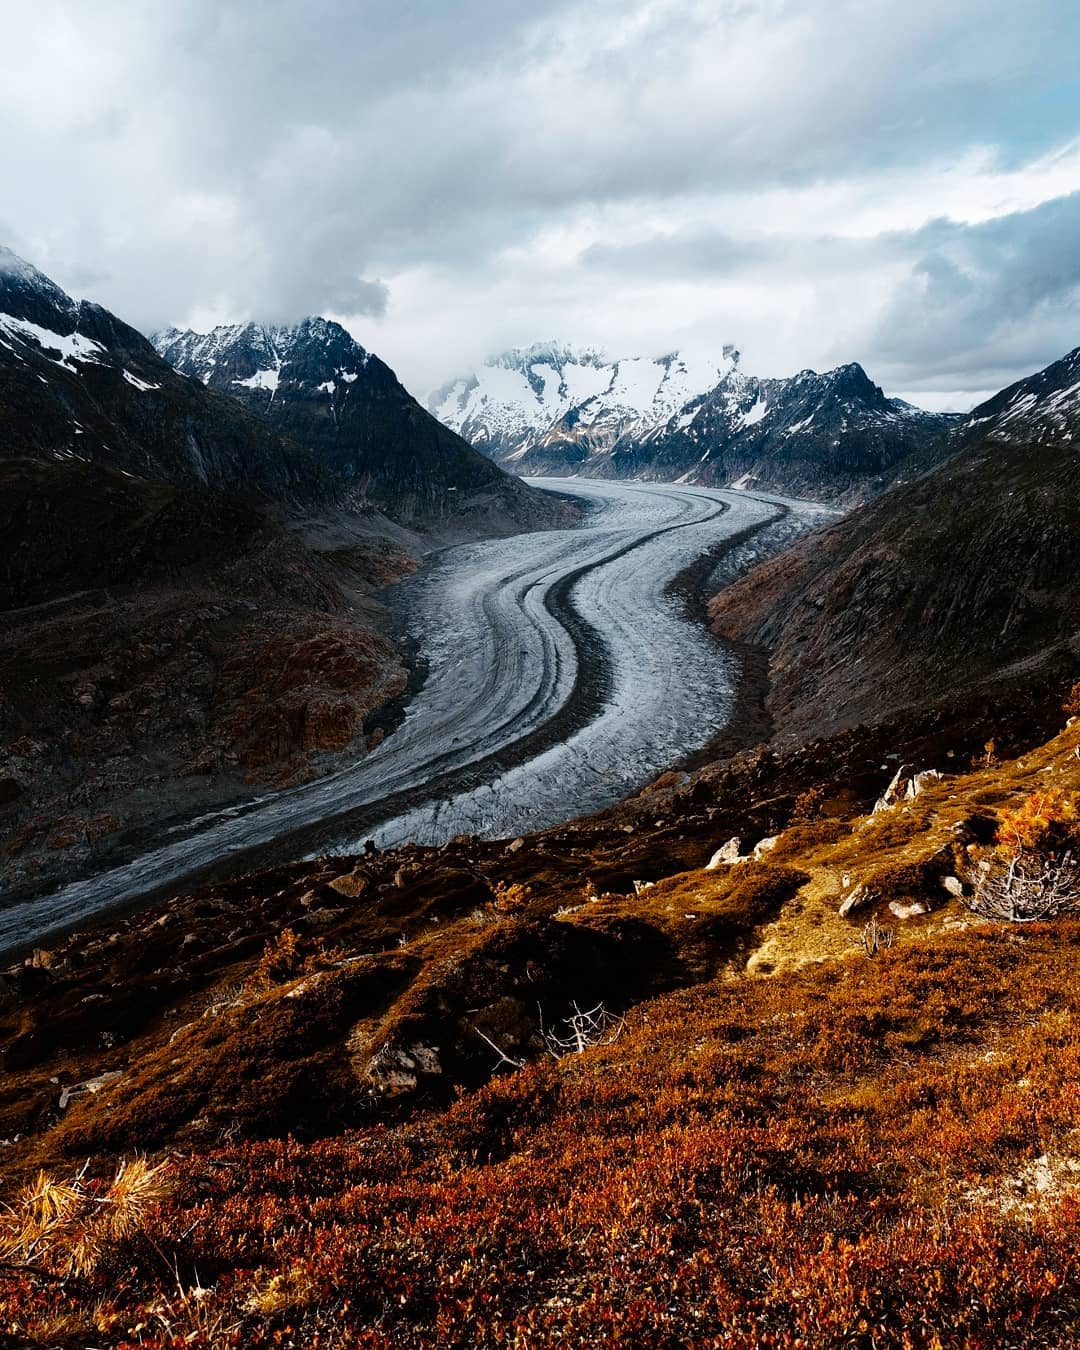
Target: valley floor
(561, 674)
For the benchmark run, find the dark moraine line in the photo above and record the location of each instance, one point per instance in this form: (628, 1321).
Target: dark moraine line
(571, 691)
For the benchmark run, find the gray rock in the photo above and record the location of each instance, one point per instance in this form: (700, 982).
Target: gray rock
(912, 911)
(856, 899)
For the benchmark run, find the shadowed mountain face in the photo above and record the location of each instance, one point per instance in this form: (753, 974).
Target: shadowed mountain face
(77, 383)
(313, 382)
(1044, 409)
(302, 418)
(548, 409)
(189, 579)
(956, 586)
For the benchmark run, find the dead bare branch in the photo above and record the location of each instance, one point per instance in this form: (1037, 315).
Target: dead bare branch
(1026, 888)
(504, 1058)
(875, 938)
(581, 1030)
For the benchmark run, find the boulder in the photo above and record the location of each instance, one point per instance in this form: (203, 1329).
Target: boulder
(724, 856)
(901, 911)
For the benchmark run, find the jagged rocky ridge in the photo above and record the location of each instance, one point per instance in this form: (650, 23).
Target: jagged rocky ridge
(313, 382)
(549, 409)
(956, 586)
(1043, 409)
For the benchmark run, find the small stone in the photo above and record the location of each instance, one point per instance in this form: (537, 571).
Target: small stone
(953, 885)
(855, 900)
(323, 918)
(912, 911)
(513, 847)
(921, 781)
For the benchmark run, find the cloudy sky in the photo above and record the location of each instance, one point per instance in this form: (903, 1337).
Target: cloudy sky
(890, 181)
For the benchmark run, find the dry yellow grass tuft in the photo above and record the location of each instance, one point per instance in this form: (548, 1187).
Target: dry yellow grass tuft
(67, 1228)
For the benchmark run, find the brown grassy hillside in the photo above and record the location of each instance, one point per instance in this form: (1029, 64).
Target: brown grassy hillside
(341, 1071)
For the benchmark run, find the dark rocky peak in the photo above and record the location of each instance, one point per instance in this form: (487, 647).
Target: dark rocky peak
(27, 294)
(846, 382)
(254, 361)
(315, 383)
(1043, 408)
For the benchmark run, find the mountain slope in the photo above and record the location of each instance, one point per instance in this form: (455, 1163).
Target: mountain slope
(547, 409)
(957, 584)
(1042, 409)
(77, 383)
(315, 383)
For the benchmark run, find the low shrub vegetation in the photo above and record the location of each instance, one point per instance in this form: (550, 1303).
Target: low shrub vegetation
(562, 1114)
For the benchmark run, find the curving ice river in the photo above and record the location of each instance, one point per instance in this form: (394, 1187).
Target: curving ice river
(561, 676)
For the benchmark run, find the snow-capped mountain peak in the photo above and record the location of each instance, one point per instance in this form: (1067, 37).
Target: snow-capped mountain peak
(519, 396)
(28, 296)
(553, 353)
(251, 355)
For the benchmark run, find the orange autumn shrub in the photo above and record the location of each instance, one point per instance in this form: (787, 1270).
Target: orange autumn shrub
(1047, 822)
(874, 1153)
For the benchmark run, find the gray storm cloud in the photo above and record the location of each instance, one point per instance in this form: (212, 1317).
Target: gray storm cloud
(453, 177)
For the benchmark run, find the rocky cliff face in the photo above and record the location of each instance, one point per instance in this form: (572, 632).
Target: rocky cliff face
(314, 383)
(551, 410)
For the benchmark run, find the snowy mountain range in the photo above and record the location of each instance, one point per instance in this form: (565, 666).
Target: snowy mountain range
(549, 409)
(518, 398)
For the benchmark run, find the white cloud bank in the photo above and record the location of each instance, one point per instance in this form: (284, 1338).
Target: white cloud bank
(816, 181)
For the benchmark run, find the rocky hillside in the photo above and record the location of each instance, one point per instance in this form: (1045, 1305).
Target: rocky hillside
(549, 410)
(314, 383)
(163, 651)
(594, 1086)
(950, 586)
